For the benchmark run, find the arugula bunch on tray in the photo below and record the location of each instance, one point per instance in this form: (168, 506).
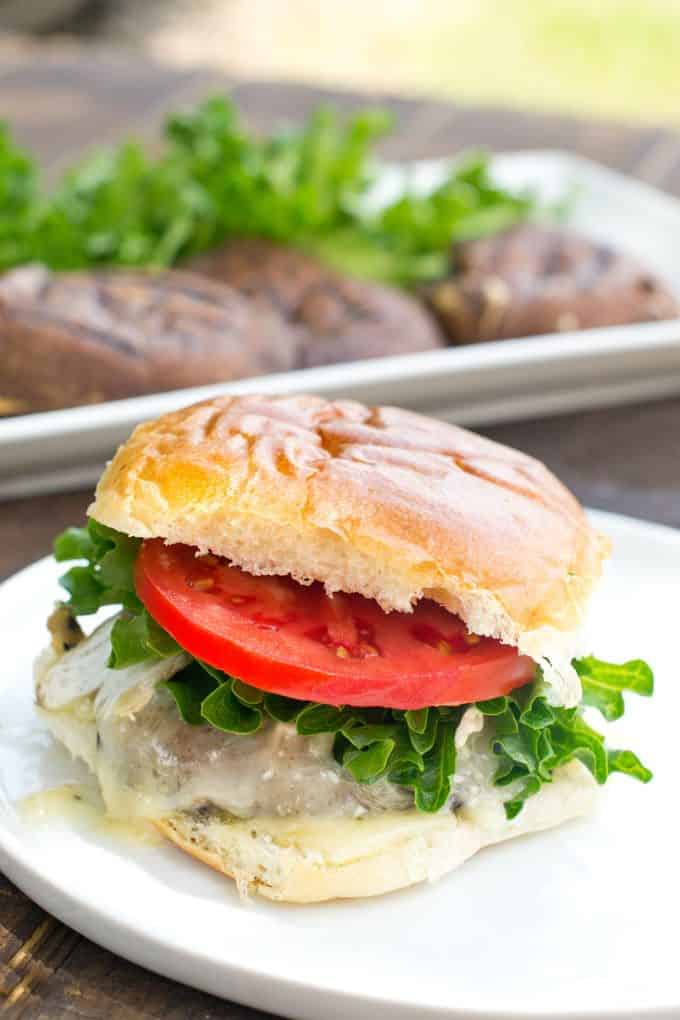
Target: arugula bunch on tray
(212, 179)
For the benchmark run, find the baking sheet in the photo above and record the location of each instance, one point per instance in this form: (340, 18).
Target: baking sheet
(479, 384)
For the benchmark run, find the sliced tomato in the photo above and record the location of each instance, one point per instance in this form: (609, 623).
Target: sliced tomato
(290, 639)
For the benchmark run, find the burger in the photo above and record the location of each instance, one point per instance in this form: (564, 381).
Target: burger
(341, 654)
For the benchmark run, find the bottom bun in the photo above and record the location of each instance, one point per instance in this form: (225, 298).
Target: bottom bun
(307, 860)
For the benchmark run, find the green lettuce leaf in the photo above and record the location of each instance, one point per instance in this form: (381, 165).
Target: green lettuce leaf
(432, 789)
(136, 637)
(190, 687)
(315, 718)
(19, 201)
(282, 709)
(628, 763)
(107, 577)
(603, 683)
(531, 737)
(368, 763)
(223, 710)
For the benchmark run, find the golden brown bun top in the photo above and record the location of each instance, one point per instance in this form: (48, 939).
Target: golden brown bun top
(380, 501)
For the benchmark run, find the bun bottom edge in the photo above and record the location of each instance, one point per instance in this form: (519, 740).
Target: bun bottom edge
(313, 860)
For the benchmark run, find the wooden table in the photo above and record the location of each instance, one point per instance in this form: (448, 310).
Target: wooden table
(623, 459)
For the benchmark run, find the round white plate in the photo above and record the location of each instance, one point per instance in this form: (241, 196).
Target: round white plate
(581, 921)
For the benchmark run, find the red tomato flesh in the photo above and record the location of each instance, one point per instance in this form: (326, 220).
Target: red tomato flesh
(290, 639)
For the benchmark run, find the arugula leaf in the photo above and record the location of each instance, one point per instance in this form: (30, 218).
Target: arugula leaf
(136, 637)
(215, 673)
(129, 641)
(223, 710)
(361, 735)
(513, 806)
(107, 578)
(159, 641)
(576, 739)
(282, 709)
(493, 706)
(190, 687)
(246, 694)
(532, 738)
(517, 748)
(74, 544)
(212, 179)
(18, 201)
(316, 718)
(538, 713)
(86, 594)
(367, 765)
(416, 720)
(466, 204)
(604, 682)
(433, 788)
(116, 565)
(405, 757)
(533, 701)
(424, 740)
(629, 764)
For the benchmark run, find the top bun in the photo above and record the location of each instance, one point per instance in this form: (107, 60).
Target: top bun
(379, 501)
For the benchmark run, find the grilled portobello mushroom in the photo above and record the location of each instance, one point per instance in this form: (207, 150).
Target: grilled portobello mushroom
(340, 318)
(80, 338)
(532, 280)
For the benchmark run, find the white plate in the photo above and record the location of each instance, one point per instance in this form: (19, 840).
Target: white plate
(578, 922)
(480, 384)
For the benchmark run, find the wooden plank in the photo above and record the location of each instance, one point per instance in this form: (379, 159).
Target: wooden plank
(428, 129)
(28, 526)
(612, 144)
(623, 459)
(95, 983)
(59, 107)
(659, 164)
(32, 966)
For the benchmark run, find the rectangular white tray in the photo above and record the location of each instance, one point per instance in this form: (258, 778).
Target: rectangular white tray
(480, 384)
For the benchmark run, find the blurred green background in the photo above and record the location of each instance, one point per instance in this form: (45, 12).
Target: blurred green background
(616, 58)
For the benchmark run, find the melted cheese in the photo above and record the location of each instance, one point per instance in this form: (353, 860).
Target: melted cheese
(150, 763)
(82, 806)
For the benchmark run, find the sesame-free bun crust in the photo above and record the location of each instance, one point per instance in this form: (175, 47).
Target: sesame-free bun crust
(379, 501)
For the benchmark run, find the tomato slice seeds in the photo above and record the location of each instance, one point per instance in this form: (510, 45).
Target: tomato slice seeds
(295, 640)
